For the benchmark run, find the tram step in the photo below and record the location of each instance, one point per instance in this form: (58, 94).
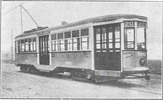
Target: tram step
(42, 70)
(105, 79)
(45, 68)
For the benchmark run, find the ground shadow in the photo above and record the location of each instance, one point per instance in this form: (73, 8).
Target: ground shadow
(118, 83)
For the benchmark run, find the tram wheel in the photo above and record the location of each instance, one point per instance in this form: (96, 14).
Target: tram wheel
(23, 68)
(89, 76)
(33, 70)
(27, 69)
(147, 77)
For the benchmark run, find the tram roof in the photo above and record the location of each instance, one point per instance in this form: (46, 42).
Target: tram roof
(90, 20)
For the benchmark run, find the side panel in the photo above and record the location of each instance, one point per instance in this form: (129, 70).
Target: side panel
(132, 60)
(26, 58)
(76, 59)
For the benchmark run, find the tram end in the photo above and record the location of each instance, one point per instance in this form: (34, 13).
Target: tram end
(138, 72)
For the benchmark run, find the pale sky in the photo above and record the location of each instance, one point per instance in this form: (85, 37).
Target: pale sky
(52, 13)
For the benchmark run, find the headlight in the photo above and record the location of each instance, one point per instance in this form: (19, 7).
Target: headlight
(142, 62)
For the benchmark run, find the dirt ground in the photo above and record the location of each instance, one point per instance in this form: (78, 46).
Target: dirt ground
(16, 84)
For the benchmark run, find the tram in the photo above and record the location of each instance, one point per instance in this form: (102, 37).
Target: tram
(102, 48)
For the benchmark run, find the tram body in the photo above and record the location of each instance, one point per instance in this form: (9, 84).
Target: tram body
(105, 46)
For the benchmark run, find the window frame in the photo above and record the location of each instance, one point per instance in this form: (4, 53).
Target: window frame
(69, 45)
(145, 38)
(55, 45)
(27, 44)
(125, 38)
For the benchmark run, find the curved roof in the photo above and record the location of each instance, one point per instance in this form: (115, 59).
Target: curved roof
(90, 20)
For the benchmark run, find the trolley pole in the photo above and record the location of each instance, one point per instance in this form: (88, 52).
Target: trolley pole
(21, 19)
(11, 45)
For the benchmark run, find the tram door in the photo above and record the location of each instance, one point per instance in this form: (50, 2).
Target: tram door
(107, 47)
(43, 50)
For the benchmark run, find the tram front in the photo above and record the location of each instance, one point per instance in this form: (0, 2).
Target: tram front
(134, 53)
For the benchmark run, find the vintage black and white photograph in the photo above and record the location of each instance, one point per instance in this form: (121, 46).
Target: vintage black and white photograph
(81, 49)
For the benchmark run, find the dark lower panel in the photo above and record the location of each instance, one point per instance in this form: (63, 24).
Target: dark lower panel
(44, 58)
(114, 61)
(108, 61)
(101, 61)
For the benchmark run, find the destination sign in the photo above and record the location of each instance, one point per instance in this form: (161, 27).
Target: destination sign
(129, 23)
(142, 24)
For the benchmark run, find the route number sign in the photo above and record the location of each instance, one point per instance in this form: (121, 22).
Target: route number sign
(127, 24)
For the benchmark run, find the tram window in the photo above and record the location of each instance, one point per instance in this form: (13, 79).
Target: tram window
(59, 45)
(34, 44)
(67, 34)
(103, 34)
(110, 50)
(117, 45)
(16, 47)
(76, 44)
(104, 45)
(85, 32)
(129, 38)
(29, 41)
(117, 50)
(26, 45)
(110, 37)
(141, 24)
(141, 43)
(110, 34)
(117, 34)
(103, 38)
(103, 50)
(31, 46)
(98, 46)
(43, 45)
(75, 33)
(22, 45)
(70, 44)
(97, 35)
(117, 37)
(46, 39)
(66, 45)
(85, 40)
(140, 34)
(85, 43)
(19, 46)
(84, 46)
(54, 45)
(60, 36)
(54, 36)
(110, 45)
(62, 45)
(54, 42)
